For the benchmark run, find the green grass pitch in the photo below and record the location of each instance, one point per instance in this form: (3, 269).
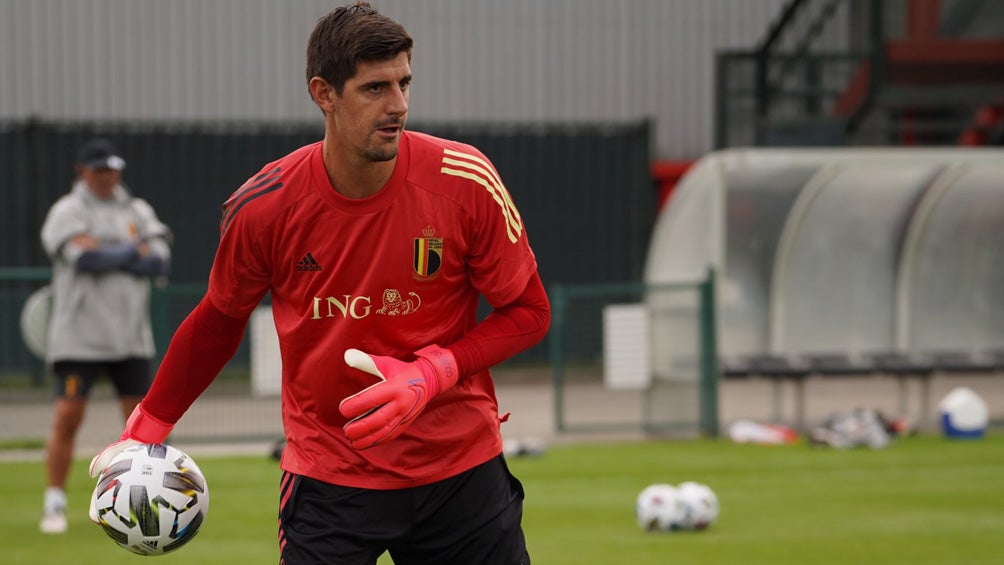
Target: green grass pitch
(922, 500)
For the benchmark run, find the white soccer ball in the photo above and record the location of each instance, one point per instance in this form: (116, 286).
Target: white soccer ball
(963, 414)
(659, 508)
(700, 505)
(151, 499)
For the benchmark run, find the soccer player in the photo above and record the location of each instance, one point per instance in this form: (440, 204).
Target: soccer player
(105, 246)
(375, 245)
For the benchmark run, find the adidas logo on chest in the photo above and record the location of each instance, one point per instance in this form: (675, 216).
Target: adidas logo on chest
(308, 263)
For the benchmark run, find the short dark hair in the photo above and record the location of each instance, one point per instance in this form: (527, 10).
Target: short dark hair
(350, 35)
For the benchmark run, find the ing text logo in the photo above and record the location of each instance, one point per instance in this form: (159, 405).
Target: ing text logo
(393, 303)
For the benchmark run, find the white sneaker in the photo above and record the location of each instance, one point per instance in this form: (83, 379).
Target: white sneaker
(53, 522)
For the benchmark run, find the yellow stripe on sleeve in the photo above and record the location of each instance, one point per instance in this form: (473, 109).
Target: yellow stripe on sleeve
(476, 169)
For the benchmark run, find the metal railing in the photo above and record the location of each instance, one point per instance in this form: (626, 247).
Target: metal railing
(791, 82)
(679, 339)
(169, 304)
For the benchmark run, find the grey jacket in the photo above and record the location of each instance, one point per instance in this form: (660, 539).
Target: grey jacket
(100, 316)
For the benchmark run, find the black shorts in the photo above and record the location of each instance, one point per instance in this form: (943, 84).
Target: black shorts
(74, 379)
(472, 518)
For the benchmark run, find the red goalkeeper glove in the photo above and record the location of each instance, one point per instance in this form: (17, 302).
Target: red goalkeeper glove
(381, 412)
(140, 428)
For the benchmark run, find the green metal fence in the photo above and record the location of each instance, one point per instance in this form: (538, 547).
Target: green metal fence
(229, 411)
(637, 357)
(16, 284)
(168, 307)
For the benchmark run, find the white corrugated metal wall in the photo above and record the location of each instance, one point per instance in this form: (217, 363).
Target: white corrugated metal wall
(481, 60)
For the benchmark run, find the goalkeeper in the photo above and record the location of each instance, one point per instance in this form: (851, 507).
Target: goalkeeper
(376, 245)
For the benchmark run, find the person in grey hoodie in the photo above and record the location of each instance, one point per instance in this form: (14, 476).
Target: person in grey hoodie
(106, 247)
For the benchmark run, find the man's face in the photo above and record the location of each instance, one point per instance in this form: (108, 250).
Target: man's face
(101, 181)
(370, 114)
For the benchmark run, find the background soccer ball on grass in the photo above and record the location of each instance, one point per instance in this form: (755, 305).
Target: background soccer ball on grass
(659, 508)
(700, 504)
(151, 499)
(665, 508)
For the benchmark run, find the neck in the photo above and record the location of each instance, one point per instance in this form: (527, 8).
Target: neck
(99, 193)
(352, 175)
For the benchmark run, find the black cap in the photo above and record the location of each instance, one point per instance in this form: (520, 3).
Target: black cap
(100, 154)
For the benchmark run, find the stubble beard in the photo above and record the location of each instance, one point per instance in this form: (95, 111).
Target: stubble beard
(380, 154)
(385, 151)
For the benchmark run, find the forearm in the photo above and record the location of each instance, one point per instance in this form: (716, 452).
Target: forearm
(153, 259)
(106, 258)
(505, 332)
(200, 348)
(149, 266)
(381, 412)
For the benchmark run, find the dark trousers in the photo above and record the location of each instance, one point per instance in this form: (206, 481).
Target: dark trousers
(472, 518)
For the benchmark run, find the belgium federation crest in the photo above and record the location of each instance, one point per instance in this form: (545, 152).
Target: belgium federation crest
(428, 257)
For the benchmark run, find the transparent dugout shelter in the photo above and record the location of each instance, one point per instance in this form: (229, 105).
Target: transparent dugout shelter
(847, 250)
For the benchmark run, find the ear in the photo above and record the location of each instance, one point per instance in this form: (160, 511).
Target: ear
(324, 94)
